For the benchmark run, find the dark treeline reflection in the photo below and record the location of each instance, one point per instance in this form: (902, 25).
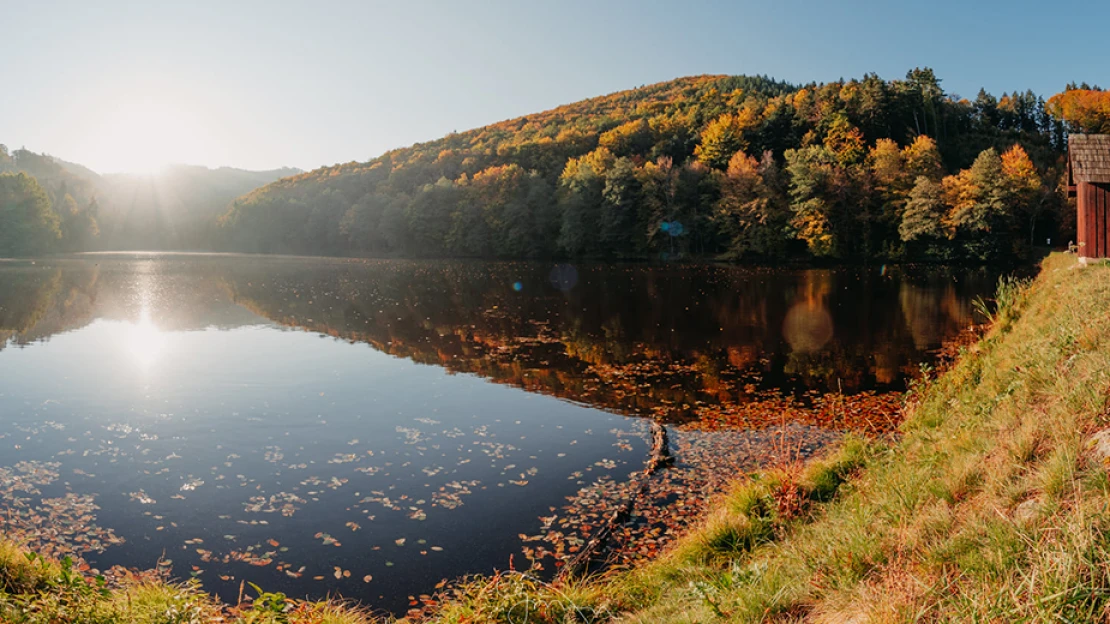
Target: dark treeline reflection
(631, 338)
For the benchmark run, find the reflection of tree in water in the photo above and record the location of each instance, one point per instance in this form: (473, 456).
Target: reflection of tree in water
(808, 326)
(632, 338)
(37, 302)
(930, 309)
(40, 300)
(627, 338)
(608, 346)
(28, 295)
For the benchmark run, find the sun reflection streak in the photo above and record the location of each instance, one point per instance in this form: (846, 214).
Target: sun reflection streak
(145, 341)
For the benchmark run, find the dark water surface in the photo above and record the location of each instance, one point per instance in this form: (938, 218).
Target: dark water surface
(329, 426)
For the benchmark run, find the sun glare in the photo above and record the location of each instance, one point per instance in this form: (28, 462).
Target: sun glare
(145, 340)
(145, 135)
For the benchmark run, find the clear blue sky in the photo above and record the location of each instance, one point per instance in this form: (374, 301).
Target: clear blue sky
(117, 85)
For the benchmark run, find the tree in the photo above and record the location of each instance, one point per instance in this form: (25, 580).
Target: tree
(1084, 110)
(722, 138)
(924, 214)
(811, 172)
(845, 141)
(976, 196)
(362, 224)
(887, 165)
(986, 110)
(925, 88)
(1024, 189)
(580, 196)
(749, 213)
(660, 183)
(978, 211)
(620, 198)
(922, 158)
(78, 225)
(429, 215)
(890, 178)
(29, 225)
(630, 138)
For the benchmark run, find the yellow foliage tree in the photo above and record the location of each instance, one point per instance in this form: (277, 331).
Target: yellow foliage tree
(722, 138)
(599, 160)
(961, 195)
(845, 141)
(922, 158)
(887, 165)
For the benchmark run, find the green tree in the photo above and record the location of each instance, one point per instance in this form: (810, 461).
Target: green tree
(361, 225)
(580, 197)
(28, 225)
(813, 205)
(660, 183)
(621, 196)
(924, 213)
(429, 216)
(978, 211)
(79, 226)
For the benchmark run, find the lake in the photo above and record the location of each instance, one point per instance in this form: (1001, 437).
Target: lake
(369, 428)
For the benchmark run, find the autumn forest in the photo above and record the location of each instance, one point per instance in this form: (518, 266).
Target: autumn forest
(716, 167)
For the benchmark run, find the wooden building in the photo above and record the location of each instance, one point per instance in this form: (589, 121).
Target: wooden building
(1089, 183)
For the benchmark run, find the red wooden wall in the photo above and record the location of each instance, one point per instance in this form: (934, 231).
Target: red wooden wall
(1092, 223)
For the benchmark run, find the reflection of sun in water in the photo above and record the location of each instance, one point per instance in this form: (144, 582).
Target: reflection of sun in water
(145, 340)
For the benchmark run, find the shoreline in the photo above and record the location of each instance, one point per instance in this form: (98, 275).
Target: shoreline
(708, 572)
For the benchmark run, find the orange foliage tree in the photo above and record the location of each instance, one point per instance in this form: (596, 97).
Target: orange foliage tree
(1084, 110)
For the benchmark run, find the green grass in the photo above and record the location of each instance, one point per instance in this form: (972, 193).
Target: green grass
(36, 591)
(990, 507)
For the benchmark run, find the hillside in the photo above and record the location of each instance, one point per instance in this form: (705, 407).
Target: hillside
(735, 167)
(174, 208)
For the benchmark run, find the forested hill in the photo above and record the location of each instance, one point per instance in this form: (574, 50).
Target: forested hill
(710, 166)
(62, 206)
(176, 208)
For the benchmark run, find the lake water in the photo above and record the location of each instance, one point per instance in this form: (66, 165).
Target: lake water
(368, 428)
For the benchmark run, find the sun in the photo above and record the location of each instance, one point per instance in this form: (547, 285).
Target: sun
(146, 135)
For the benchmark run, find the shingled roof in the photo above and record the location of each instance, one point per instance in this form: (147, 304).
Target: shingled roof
(1089, 157)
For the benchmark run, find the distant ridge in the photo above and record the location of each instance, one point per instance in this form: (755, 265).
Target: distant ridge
(174, 208)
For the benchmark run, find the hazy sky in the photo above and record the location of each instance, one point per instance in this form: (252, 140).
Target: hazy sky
(127, 85)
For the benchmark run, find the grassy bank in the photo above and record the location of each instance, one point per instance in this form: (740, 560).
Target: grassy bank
(35, 590)
(992, 506)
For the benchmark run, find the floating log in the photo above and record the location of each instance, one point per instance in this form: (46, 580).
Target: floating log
(660, 456)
